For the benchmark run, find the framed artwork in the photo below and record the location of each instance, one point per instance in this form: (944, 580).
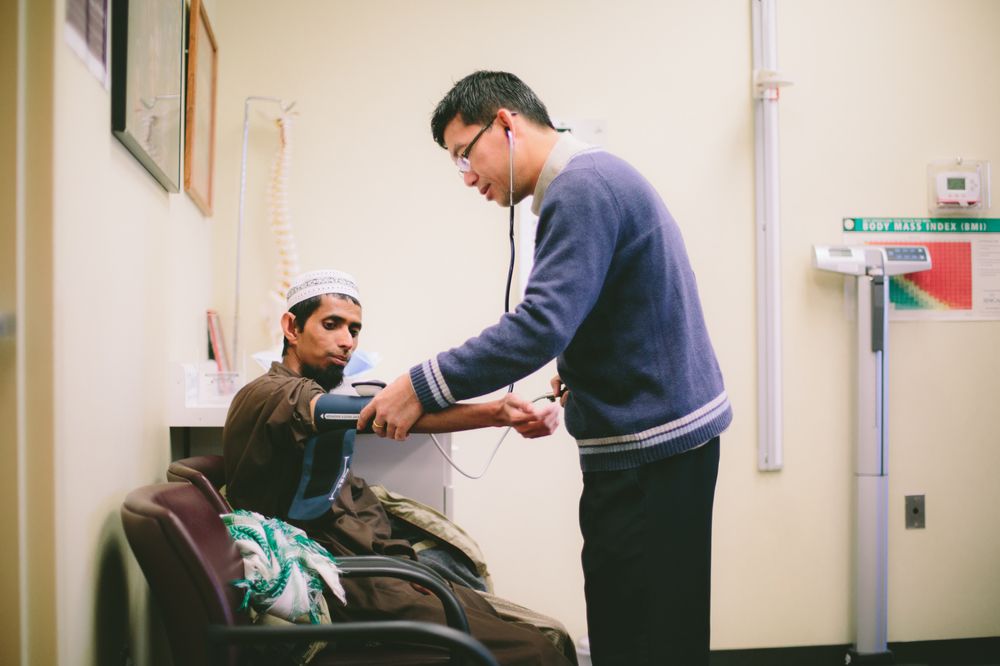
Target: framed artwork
(147, 83)
(86, 33)
(199, 144)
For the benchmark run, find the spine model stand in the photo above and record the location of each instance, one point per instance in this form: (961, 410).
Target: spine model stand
(281, 226)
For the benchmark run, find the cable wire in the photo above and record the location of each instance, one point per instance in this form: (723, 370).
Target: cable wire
(547, 396)
(510, 267)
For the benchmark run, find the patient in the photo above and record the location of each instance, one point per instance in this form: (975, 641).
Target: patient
(263, 441)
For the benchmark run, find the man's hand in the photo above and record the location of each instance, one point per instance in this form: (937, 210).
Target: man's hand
(528, 420)
(559, 390)
(393, 410)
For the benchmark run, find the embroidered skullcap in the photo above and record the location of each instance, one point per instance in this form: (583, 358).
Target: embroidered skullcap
(317, 283)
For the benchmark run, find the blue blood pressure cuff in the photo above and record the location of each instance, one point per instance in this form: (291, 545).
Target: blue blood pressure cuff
(339, 412)
(327, 455)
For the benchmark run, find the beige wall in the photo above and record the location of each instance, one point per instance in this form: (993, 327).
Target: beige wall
(372, 194)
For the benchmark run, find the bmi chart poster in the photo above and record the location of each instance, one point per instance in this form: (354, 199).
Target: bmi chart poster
(964, 281)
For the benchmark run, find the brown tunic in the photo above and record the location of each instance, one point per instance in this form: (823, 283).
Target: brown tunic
(268, 424)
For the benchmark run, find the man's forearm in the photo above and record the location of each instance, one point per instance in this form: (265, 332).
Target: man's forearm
(398, 407)
(460, 417)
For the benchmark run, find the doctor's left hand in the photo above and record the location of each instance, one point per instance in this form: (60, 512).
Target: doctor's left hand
(393, 410)
(529, 421)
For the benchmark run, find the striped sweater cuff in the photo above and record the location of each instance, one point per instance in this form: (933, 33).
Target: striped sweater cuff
(430, 387)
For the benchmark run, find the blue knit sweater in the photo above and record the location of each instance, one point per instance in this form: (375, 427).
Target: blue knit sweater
(613, 297)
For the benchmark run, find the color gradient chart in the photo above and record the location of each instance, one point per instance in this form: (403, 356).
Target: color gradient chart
(946, 286)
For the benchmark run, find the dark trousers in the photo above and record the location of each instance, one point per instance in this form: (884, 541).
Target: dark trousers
(647, 560)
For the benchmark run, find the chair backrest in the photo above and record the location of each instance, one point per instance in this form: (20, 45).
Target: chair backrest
(189, 560)
(208, 473)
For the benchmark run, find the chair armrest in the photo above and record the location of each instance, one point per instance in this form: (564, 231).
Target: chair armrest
(426, 633)
(402, 561)
(370, 566)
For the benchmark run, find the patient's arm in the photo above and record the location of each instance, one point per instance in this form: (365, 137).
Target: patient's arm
(511, 410)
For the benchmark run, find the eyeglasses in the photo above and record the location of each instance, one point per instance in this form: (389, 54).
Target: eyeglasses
(462, 161)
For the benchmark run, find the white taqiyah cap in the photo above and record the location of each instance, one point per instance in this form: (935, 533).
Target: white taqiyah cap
(317, 283)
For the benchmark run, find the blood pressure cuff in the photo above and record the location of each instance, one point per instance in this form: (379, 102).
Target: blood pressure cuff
(325, 463)
(327, 456)
(339, 412)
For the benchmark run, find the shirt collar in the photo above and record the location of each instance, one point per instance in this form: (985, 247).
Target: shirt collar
(278, 368)
(566, 148)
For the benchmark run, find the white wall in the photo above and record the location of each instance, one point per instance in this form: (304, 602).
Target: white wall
(372, 194)
(133, 277)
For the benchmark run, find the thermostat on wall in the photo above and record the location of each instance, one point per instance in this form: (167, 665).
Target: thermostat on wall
(958, 186)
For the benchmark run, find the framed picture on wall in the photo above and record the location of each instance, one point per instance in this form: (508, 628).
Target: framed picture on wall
(199, 144)
(147, 83)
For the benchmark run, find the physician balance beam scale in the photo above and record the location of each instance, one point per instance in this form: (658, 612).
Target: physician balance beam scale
(871, 266)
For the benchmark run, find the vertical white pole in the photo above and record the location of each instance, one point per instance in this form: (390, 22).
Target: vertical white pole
(769, 394)
(239, 235)
(871, 473)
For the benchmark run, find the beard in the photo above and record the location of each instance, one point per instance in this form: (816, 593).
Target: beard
(329, 379)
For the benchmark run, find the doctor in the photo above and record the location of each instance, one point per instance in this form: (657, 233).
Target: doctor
(613, 298)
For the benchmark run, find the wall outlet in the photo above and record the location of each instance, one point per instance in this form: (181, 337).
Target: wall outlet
(915, 512)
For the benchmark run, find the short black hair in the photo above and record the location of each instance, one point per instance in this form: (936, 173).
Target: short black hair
(305, 309)
(478, 97)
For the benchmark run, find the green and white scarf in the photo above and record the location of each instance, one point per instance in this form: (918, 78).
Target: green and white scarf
(284, 569)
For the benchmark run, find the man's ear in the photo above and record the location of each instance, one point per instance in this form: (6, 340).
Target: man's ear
(288, 328)
(506, 118)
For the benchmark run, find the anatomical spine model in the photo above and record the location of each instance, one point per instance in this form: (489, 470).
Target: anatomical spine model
(281, 227)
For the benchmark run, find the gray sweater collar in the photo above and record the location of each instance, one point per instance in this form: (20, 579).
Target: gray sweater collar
(566, 148)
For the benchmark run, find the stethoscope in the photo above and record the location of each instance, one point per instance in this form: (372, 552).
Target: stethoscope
(506, 308)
